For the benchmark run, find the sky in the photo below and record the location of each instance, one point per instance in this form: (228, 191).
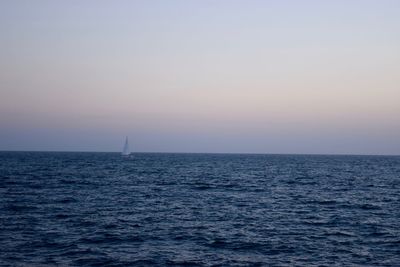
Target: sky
(228, 76)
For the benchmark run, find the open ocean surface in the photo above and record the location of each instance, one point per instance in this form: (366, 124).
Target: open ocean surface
(98, 209)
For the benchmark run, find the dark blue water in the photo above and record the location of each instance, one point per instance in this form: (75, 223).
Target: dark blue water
(97, 209)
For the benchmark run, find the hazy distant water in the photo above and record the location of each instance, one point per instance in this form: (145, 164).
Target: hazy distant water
(97, 209)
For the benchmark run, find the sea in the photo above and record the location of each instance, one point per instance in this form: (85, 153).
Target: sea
(156, 209)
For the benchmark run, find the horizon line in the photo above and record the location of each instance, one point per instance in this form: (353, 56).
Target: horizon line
(218, 153)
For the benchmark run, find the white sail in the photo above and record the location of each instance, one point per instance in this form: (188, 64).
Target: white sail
(125, 151)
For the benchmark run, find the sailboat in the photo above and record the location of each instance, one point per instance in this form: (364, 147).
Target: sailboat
(125, 151)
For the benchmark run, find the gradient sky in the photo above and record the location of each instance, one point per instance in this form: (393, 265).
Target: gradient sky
(201, 76)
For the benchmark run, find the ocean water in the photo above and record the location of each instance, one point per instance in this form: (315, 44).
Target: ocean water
(98, 209)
